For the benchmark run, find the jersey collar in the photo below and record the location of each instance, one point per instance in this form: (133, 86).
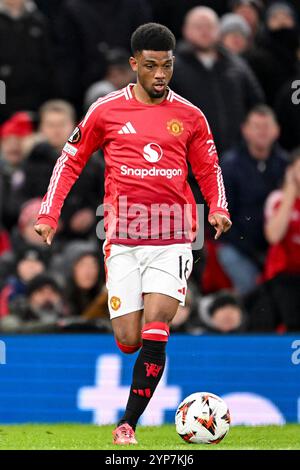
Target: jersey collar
(129, 95)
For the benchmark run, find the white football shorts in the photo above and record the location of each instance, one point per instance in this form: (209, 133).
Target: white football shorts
(132, 271)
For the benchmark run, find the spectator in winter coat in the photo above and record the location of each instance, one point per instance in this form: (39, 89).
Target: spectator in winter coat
(56, 125)
(85, 292)
(251, 171)
(221, 84)
(118, 75)
(235, 33)
(23, 240)
(39, 310)
(222, 313)
(282, 270)
(26, 62)
(274, 58)
(15, 133)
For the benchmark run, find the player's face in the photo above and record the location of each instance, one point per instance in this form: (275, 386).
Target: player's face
(154, 71)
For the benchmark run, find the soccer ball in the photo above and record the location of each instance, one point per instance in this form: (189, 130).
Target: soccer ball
(202, 418)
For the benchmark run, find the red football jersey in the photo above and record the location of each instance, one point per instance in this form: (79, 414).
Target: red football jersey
(146, 150)
(285, 255)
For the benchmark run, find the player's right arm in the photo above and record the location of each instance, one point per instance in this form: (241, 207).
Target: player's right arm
(202, 155)
(84, 141)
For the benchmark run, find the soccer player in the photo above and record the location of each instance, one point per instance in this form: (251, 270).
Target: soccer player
(148, 135)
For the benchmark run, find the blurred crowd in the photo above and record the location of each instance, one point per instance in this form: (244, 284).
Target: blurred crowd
(239, 61)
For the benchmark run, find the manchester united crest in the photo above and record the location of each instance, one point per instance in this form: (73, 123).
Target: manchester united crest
(115, 303)
(175, 127)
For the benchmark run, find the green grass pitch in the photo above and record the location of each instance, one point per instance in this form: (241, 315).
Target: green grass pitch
(81, 437)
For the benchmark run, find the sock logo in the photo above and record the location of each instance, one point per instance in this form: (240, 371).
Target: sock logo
(152, 369)
(142, 392)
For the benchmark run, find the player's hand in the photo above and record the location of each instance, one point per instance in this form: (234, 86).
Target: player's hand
(46, 232)
(221, 223)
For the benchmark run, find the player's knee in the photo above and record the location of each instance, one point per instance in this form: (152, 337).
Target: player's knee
(161, 317)
(128, 345)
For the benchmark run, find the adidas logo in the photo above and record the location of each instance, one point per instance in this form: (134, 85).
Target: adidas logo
(127, 129)
(182, 291)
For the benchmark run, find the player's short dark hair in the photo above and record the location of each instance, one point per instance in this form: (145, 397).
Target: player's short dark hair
(152, 37)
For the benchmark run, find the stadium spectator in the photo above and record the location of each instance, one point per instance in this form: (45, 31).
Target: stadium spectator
(172, 13)
(235, 33)
(222, 313)
(118, 75)
(280, 297)
(250, 10)
(23, 239)
(39, 310)
(26, 62)
(57, 121)
(220, 83)
(186, 319)
(287, 108)
(84, 289)
(14, 134)
(251, 171)
(86, 31)
(274, 58)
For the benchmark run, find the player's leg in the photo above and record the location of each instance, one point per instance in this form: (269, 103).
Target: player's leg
(125, 304)
(127, 331)
(164, 284)
(125, 301)
(159, 310)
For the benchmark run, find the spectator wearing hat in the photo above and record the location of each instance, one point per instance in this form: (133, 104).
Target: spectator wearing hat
(235, 33)
(26, 62)
(274, 58)
(252, 170)
(15, 134)
(222, 313)
(86, 31)
(29, 263)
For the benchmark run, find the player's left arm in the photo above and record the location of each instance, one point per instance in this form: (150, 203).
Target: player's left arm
(202, 155)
